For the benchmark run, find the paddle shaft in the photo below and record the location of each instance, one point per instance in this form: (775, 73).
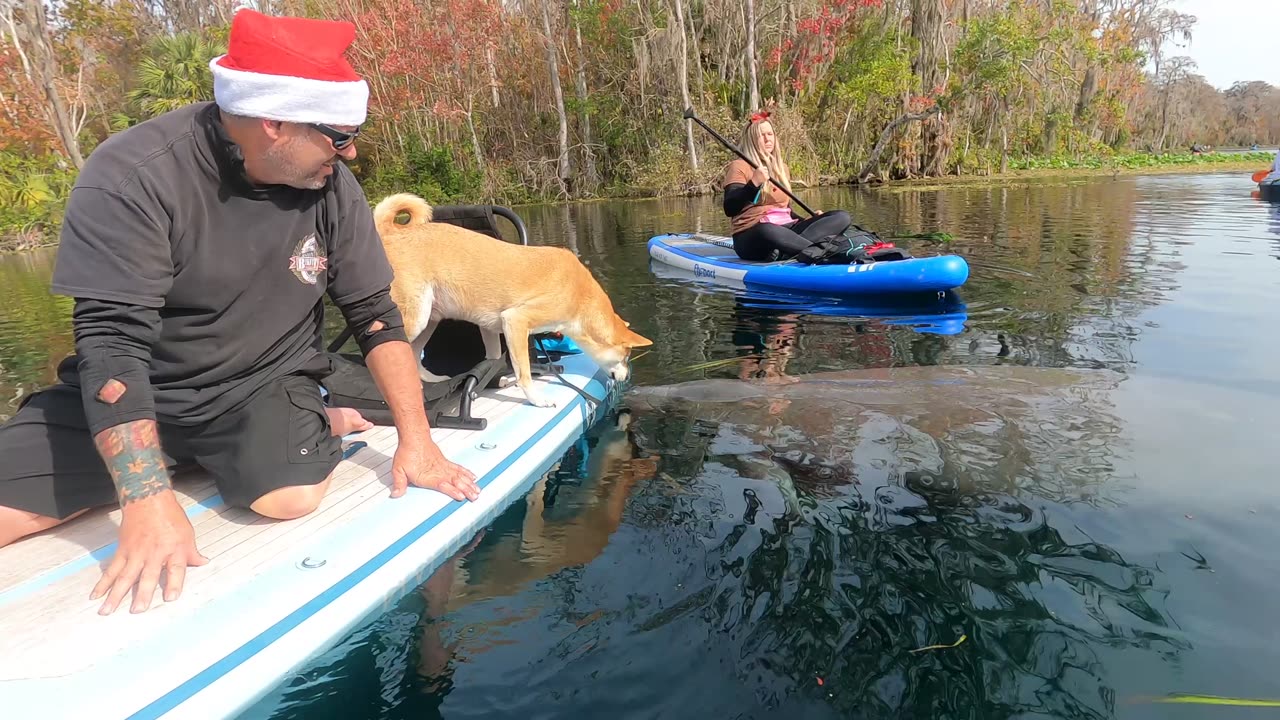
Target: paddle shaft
(690, 115)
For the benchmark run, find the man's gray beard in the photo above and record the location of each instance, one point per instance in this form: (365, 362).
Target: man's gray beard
(290, 173)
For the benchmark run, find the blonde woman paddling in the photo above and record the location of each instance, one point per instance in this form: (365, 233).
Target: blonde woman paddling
(764, 226)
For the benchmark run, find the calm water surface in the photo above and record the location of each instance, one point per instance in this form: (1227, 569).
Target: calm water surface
(1077, 474)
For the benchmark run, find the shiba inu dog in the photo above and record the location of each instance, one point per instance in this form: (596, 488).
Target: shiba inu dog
(444, 271)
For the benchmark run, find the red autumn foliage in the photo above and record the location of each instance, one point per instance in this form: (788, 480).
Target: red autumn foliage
(608, 9)
(422, 55)
(818, 38)
(920, 103)
(23, 127)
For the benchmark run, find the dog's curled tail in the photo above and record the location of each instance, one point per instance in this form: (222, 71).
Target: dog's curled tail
(385, 213)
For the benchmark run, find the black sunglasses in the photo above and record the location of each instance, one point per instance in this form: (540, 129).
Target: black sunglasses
(339, 138)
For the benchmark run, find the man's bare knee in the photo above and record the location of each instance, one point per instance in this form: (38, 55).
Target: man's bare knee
(289, 503)
(16, 524)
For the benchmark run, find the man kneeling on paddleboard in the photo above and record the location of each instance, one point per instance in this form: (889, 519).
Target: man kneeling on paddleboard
(199, 246)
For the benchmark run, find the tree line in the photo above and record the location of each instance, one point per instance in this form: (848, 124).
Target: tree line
(523, 100)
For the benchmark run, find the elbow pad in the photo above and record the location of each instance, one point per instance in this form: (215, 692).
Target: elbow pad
(362, 314)
(113, 342)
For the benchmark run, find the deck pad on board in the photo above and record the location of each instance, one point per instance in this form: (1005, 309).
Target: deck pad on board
(706, 246)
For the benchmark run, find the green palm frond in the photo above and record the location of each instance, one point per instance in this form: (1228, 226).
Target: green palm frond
(174, 73)
(27, 191)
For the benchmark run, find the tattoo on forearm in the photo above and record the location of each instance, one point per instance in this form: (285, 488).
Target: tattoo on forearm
(133, 457)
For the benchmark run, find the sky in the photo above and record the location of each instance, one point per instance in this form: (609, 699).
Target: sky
(1233, 40)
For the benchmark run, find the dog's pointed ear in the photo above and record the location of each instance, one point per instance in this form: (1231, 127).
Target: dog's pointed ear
(631, 339)
(624, 336)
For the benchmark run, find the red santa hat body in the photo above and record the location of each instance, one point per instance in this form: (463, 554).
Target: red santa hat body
(291, 69)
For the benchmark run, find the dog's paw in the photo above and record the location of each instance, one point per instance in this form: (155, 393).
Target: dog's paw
(537, 399)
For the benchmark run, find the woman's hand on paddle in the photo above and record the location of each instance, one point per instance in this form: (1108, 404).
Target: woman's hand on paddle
(760, 176)
(423, 465)
(155, 536)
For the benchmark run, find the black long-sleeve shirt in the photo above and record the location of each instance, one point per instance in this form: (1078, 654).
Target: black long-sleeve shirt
(192, 279)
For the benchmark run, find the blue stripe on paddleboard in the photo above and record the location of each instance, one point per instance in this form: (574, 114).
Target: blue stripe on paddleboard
(240, 655)
(43, 580)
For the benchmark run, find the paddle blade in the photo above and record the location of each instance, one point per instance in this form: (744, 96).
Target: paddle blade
(1257, 177)
(689, 114)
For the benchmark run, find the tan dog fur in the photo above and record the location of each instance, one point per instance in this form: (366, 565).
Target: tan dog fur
(444, 271)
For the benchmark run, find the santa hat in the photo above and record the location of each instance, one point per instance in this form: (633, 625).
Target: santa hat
(291, 69)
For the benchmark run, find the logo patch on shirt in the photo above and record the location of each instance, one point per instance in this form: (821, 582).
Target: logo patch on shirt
(309, 259)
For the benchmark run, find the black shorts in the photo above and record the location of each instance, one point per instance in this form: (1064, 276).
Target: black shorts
(281, 437)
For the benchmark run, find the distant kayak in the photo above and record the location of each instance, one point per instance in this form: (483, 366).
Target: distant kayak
(712, 257)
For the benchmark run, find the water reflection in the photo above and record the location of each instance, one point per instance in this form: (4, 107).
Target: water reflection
(1273, 222)
(1044, 256)
(35, 328)
(847, 520)
(771, 547)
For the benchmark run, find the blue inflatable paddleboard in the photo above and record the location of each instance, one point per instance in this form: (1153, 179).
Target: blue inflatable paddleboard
(712, 257)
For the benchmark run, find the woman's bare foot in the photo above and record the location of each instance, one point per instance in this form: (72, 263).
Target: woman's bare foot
(344, 421)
